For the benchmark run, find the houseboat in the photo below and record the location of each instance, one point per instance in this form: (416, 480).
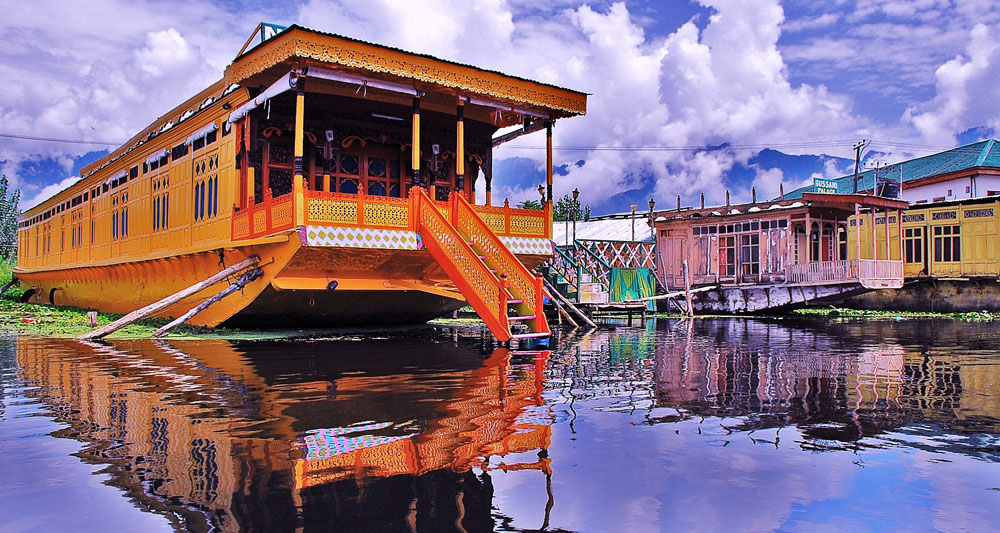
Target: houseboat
(768, 255)
(346, 167)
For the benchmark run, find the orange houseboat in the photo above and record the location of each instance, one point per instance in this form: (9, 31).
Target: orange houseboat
(347, 167)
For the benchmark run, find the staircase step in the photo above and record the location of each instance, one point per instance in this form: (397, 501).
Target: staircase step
(530, 335)
(516, 318)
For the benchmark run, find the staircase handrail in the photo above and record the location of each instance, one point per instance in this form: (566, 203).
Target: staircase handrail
(522, 283)
(485, 293)
(604, 276)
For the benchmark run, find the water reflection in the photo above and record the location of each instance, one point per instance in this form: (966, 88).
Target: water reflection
(285, 435)
(676, 424)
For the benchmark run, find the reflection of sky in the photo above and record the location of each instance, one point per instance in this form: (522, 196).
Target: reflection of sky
(617, 474)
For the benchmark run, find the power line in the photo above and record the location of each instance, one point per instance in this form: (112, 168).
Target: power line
(706, 148)
(55, 140)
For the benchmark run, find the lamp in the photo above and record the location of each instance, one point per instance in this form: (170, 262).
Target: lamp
(633, 221)
(541, 192)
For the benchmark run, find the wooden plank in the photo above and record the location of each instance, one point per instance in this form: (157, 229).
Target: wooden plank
(552, 292)
(562, 312)
(160, 305)
(237, 285)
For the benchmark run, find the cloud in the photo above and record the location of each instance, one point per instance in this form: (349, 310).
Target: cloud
(967, 94)
(48, 192)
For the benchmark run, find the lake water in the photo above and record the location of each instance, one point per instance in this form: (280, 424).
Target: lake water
(702, 425)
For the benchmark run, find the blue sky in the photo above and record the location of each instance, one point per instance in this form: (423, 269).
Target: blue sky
(763, 78)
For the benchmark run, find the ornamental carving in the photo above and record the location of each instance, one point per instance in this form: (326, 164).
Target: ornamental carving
(405, 65)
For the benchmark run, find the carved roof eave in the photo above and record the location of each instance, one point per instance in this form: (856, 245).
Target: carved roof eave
(300, 43)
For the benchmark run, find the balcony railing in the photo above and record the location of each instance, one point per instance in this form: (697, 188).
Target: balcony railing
(276, 214)
(869, 273)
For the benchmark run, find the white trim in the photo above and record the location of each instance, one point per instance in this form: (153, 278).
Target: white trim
(156, 156)
(284, 83)
(120, 175)
(326, 74)
(201, 133)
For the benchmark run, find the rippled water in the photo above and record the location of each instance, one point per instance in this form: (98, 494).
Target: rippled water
(706, 425)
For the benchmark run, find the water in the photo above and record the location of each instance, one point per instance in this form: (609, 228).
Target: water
(706, 425)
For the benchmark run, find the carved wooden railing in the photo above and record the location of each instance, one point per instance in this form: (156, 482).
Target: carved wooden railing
(270, 216)
(623, 254)
(880, 273)
(512, 222)
(523, 284)
(329, 208)
(484, 291)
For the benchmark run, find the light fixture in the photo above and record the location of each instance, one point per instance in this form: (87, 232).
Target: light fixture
(576, 193)
(651, 204)
(541, 191)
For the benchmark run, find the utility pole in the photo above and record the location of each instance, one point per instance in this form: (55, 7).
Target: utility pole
(857, 161)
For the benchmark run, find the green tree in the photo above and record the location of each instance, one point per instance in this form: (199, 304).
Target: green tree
(566, 206)
(531, 204)
(8, 220)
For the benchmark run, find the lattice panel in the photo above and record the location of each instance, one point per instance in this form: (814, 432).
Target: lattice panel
(527, 225)
(283, 213)
(393, 215)
(333, 211)
(241, 226)
(464, 259)
(565, 268)
(355, 237)
(495, 221)
(259, 221)
(521, 285)
(624, 254)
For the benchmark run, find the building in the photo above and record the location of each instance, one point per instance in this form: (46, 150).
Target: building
(346, 167)
(754, 254)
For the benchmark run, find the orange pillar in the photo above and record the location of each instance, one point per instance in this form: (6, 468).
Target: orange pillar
(415, 145)
(548, 173)
(460, 147)
(297, 184)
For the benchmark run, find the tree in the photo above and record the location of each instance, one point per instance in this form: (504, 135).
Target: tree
(566, 206)
(531, 204)
(8, 220)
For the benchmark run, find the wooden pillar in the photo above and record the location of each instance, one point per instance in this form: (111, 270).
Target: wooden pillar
(809, 243)
(888, 250)
(857, 233)
(460, 147)
(548, 169)
(251, 195)
(874, 245)
(899, 222)
(297, 185)
(415, 143)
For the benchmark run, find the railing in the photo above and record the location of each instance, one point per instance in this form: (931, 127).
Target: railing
(272, 215)
(523, 284)
(870, 273)
(565, 266)
(594, 264)
(381, 212)
(484, 291)
(623, 254)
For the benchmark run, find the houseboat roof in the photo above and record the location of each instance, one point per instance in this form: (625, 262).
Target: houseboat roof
(978, 155)
(296, 47)
(808, 199)
(617, 227)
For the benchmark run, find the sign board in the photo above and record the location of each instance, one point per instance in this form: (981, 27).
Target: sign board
(825, 186)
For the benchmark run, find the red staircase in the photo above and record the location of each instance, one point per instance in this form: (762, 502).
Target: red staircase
(505, 294)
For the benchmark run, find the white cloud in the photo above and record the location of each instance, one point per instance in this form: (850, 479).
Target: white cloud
(48, 192)
(968, 94)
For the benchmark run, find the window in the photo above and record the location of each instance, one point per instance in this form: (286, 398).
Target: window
(750, 254)
(947, 244)
(913, 245)
(727, 255)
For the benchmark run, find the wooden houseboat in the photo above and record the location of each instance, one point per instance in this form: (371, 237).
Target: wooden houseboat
(346, 167)
(766, 255)
(950, 252)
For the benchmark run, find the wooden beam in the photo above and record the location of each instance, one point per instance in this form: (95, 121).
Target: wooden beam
(562, 312)
(247, 277)
(552, 292)
(538, 125)
(160, 305)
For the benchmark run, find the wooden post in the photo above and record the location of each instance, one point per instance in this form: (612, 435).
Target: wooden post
(415, 143)
(857, 226)
(562, 312)
(687, 287)
(160, 305)
(299, 199)
(874, 246)
(888, 251)
(548, 161)
(247, 277)
(460, 147)
(809, 242)
(575, 309)
(899, 222)
(92, 319)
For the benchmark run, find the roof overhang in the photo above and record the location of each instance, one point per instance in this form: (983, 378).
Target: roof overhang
(298, 47)
(847, 201)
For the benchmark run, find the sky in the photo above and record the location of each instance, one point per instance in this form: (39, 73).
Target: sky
(687, 97)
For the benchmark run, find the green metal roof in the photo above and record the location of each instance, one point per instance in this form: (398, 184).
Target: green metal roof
(980, 154)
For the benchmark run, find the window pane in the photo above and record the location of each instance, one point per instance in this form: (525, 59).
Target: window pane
(956, 252)
(349, 164)
(376, 188)
(348, 186)
(376, 167)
